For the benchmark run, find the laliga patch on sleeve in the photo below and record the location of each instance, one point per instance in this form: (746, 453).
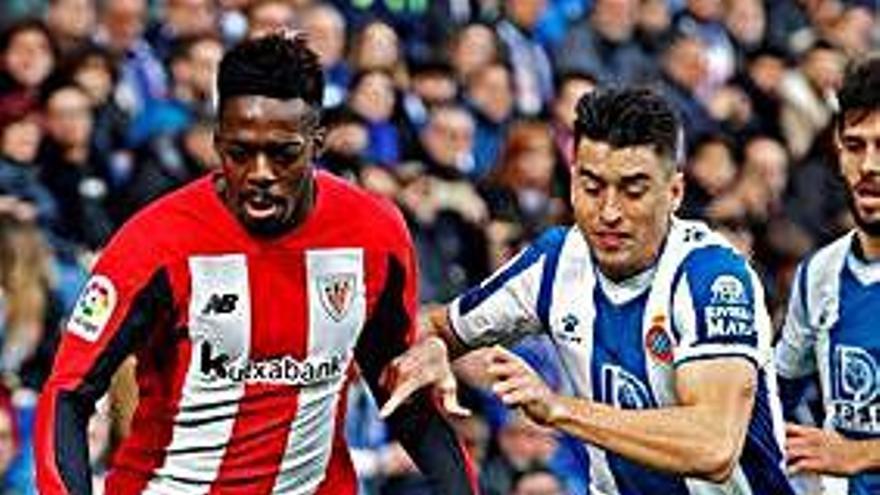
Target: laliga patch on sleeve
(93, 309)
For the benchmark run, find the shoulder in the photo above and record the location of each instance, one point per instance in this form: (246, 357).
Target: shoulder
(826, 260)
(378, 219)
(154, 229)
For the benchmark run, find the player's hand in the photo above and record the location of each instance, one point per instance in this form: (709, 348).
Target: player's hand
(821, 451)
(424, 364)
(518, 385)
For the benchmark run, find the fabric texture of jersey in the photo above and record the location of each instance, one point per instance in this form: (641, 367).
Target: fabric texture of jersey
(831, 329)
(620, 343)
(244, 346)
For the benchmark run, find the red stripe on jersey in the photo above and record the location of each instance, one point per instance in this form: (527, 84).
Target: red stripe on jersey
(259, 435)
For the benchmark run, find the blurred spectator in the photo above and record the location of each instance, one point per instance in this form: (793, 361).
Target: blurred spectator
(378, 47)
(760, 78)
(346, 142)
(532, 73)
(537, 481)
(604, 44)
(194, 69)
(374, 98)
(702, 19)
(267, 16)
(746, 21)
(72, 23)
(326, 30)
(94, 71)
(526, 188)
(711, 171)
(489, 94)
(472, 47)
(851, 31)
(20, 136)
(181, 20)
(684, 72)
(71, 171)
(806, 93)
(432, 83)
(521, 444)
(30, 317)
(27, 58)
(142, 78)
(445, 212)
(570, 87)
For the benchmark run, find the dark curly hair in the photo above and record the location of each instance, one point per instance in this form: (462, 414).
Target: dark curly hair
(630, 116)
(860, 94)
(276, 66)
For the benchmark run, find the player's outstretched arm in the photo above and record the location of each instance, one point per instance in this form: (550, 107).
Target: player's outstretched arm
(821, 451)
(702, 437)
(415, 422)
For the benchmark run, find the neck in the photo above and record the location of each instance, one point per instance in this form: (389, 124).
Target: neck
(870, 245)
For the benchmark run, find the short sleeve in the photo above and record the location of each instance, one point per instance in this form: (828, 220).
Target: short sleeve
(795, 357)
(715, 308)
(506, 306)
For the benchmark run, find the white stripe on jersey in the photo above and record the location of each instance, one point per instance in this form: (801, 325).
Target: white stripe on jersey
(333, 330)
(198, 443)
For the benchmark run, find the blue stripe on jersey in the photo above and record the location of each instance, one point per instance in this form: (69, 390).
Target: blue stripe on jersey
(761, 457)
(802, 286)
(545, 293)
(620, 378)
(548, 244)
(854, 364)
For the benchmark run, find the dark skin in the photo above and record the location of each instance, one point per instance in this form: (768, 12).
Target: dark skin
(267, 147)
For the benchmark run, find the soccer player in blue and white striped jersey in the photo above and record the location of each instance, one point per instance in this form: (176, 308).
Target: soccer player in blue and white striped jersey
(659, 323)
(832, 325)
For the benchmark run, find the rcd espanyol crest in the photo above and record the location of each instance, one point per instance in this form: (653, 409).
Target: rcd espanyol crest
(336, 292)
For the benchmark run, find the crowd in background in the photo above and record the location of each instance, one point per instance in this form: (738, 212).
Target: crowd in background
(460, 111)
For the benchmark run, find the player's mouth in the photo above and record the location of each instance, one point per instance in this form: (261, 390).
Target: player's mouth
(261, 206)
(609, 240)
(868, 194)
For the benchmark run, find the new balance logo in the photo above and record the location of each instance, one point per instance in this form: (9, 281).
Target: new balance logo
(220, 304)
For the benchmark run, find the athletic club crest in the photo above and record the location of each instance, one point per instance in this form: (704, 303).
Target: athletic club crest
(336, 292)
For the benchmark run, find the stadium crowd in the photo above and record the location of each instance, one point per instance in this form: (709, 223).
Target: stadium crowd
(460, 111)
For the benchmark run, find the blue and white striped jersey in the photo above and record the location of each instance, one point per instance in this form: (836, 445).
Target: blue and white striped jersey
(620, 343)
(832, 329)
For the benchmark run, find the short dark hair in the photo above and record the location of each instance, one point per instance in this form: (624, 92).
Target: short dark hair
(860, 92)
(630, 116)
(275, 66)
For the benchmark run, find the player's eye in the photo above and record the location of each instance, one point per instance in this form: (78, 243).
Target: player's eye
(237, 153)
(635, 191)
(591, 187)
(286, 153)
(853, 145)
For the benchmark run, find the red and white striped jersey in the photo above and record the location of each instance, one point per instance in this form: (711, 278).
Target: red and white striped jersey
(244, 345)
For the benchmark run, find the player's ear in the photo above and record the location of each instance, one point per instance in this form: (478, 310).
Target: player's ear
(318, 138)
(676, 190)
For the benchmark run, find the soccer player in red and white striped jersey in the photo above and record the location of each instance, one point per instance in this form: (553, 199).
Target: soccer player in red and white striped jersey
(247, 298)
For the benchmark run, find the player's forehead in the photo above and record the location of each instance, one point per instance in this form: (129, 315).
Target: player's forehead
(862, 124)
(255, 114)
(601, 159)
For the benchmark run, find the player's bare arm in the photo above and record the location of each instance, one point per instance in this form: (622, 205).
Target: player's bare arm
(702, 437)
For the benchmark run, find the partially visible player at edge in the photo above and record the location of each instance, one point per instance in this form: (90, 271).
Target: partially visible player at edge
(660, 325)
(246, 297)
(832, 323)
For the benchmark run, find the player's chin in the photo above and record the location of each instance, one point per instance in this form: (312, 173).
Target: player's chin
(265, 225)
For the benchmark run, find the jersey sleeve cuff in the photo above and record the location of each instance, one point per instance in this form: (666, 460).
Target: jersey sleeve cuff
(716, 351)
